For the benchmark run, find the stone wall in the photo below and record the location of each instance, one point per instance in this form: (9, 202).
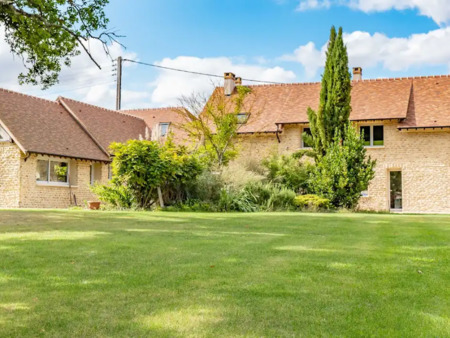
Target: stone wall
(422, 156)
(9, 175)
(35, 195)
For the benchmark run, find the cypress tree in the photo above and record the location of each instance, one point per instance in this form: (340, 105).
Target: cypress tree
(334, 107)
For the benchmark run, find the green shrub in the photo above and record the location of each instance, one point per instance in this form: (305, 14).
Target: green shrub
(343, 172)
(206, 187)
(115, 196)
(238, 176)
(312, 202)
(141, 167)
(270, 196)
(288, 170)
(233, 200)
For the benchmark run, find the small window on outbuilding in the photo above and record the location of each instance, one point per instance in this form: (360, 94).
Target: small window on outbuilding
(95, 173)
(52, 172)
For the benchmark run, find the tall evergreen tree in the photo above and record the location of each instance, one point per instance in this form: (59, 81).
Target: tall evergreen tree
(334, 108)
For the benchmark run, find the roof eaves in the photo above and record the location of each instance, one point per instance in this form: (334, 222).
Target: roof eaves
(21, 147)
(107, 159)
(422, 127)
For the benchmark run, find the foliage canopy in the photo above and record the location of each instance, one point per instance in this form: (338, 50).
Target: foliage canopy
(46, 34)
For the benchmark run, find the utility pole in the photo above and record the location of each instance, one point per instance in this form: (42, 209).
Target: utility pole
(119, 83)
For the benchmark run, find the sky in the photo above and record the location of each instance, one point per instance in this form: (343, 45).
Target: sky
(267, 40)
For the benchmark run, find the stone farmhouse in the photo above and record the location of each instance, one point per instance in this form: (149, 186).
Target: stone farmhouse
(406, 123)
(52, 151)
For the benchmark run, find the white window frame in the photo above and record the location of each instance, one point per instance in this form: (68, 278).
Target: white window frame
(365, 193)
(301, 135)
(51, 183)
(245, 115)
(4, 136)
(159, 128)
(371, 134)
(109, 172)
(91, 173)
(92, 179)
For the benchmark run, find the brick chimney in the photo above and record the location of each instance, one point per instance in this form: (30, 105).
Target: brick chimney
(238, 81)
(357, 73)
(229, 83)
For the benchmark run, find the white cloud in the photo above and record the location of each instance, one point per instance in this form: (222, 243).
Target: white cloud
(309, 56)
(313, 4)
(82, 81)
(395, 54)
(170, 85)
(438, 10)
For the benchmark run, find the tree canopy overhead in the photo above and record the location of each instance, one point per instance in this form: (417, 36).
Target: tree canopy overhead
(46, 34)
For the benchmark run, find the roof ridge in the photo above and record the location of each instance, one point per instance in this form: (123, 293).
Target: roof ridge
(141, 109)
(406, 78)
(28, 95)
(284, 84)
(98, 107)
(363, 80)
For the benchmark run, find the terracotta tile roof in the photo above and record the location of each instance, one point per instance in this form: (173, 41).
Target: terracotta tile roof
(429, 104)
(378, 99)
(45, 127)
(106, 125)
(154, 116)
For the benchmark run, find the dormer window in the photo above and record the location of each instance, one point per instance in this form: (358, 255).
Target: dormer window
(373, 135)
(163, 129)
(242, 118)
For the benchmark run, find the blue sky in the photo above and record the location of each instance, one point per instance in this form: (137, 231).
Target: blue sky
(272, 40)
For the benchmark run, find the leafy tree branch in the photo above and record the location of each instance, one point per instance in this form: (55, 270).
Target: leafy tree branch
(47, 34)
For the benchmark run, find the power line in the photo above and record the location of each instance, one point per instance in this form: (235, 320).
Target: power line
(196, 73)
(77, 88)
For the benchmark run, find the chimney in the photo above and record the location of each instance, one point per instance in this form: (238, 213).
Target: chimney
(357, 73)
(238, 81)
(229, 83)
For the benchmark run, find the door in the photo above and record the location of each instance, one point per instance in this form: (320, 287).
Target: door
(395, 178)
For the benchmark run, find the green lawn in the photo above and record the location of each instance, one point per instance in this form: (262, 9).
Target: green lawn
(79, 273)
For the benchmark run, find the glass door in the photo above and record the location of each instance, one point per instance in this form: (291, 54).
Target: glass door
(395, 178)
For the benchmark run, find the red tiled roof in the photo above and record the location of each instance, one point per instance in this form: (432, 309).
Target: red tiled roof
(45, 127)
(154, 116)
(429, 103)
(106, 125)
(379, 99)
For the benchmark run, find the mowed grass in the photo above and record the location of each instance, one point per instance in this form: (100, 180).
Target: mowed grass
(79, 273)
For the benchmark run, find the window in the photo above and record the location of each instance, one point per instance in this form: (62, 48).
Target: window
(365, 193)
(109, 172)
(163, 129)
(95, 173)
(373, 135)
(3, 135)
(51, 171)
(242, 118)
(306, 144)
